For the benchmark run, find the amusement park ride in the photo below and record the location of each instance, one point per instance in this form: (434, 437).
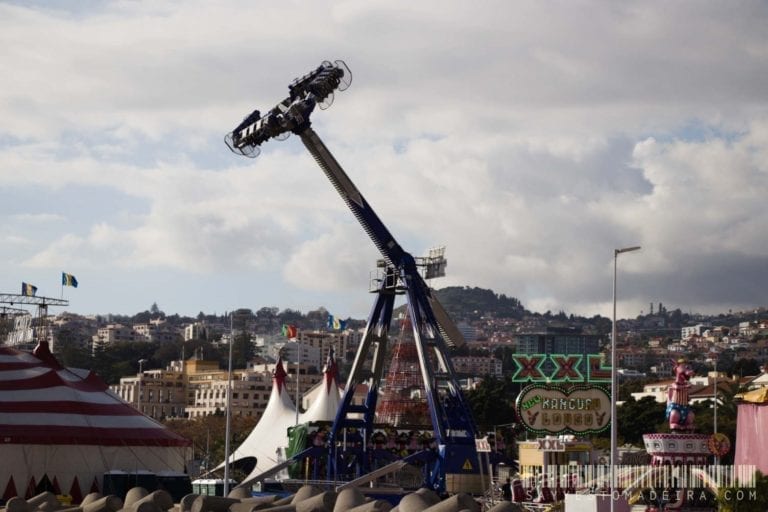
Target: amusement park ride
(454, 462)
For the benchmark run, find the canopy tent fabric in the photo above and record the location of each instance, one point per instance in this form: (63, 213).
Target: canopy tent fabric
(751, 426)
(756, 396)
(270, 433)
(64, 426)
(328, 398)
(268, 440)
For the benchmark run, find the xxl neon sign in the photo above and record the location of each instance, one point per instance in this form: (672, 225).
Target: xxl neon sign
(567, 368)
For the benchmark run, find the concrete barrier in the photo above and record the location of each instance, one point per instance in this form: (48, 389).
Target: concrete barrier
(108, 503)
(90, 498)
(349, 499)
(239, 493)
(323, 502)
(372, 506)
(160, 499)
(133, 495)
(185, 504)
(44, 500)
(17, 504)
(455, 503)
(252, 504)
(304, 492)
(212, 504)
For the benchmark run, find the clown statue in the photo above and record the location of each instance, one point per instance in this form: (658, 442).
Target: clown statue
(679, 413)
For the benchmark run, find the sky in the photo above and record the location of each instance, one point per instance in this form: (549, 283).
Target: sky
(530, 138)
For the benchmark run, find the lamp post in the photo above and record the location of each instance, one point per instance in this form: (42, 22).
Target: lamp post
(496, 445)
(717, 457)
(614, 380)
(141, 375)
(228, 426)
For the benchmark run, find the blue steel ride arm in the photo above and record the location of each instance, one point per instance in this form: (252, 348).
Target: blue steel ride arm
(377, 231)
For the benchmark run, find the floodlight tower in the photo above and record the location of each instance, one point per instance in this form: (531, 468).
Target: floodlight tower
(454, 462)
(42, 304)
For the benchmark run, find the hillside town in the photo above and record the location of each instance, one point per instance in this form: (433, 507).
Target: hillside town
(183, 373)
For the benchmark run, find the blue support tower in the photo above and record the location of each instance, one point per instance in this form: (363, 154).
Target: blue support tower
(453, 465)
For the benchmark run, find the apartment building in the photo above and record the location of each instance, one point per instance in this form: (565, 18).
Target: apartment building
(196, 388)
(114, 333)
(477, 366)
(560, 340)
(344, 342)
(156, 393)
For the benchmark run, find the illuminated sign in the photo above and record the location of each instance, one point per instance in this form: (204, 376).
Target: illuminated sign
(550, 410)
(567, 368)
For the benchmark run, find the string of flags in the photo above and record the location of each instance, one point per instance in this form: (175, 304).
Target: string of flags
(336, 324)
(30, 290)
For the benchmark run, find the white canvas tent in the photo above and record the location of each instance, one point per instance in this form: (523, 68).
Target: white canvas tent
(62, 427)
(267, 441)
(269, 435)
(326, 396)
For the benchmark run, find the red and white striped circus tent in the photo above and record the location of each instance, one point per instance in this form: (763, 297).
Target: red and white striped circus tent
(62, 428)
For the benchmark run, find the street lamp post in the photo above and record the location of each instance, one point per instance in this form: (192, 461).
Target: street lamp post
(614, 379)
(141, 376)
(717, 457)
(228, 426)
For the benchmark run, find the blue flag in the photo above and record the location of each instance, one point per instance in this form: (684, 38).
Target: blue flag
(68, 280)
(28, 289)
(336, 323)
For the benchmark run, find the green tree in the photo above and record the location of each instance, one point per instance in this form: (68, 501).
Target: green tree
(492, 402)
(71, 350)
(208, 436)
(243, 350)
(727, 409)
(638, 417)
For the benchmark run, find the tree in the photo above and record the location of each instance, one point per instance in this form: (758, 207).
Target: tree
(243, 350)
(727, 409)
(167, 352)
(208, 436)
(638, 417)
(492, 402)
(71, 350)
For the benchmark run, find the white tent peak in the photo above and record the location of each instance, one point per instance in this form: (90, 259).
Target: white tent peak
(331, 371)
(324, 400)
(278, 375)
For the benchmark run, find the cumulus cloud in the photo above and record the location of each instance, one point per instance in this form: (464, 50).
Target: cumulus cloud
(530, 139)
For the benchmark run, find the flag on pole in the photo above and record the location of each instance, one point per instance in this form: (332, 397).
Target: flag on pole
(68, 280)
(336, 323)
(28, 289)
(289, 331)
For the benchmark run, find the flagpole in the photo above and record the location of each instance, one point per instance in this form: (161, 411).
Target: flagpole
(229, 405)
(298, 369)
